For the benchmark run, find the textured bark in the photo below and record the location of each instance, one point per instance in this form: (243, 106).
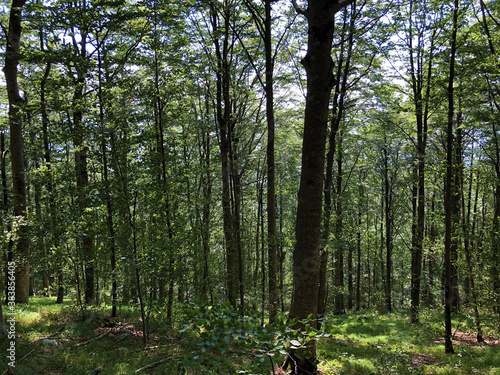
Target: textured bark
(320, 80)
(17, 152)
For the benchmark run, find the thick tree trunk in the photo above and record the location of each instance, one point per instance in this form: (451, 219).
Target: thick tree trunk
(318, 65)
(17, 152)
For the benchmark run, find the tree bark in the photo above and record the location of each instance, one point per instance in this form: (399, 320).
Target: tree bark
(271, 190)
(320, 81)
(224, 121)
(339, 304)
(17, 152)
(419, 80)
(448, 199)
(388, 228)
(468, 255)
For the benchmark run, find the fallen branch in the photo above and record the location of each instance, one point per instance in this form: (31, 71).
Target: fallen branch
(98, 337)
(153, 365)
(31, 351)
(116, 342)
(152, 347)
(94, 338)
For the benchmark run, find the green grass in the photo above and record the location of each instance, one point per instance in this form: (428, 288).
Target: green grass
(368, 342)
(375, 343)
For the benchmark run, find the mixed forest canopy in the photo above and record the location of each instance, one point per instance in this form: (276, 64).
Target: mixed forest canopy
(289, 157)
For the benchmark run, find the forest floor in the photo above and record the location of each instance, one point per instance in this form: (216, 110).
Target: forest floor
(54, 339)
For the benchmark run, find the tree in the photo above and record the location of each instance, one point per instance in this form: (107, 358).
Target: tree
(318, 64)
(17, 151)
(449, 182)
(420, 41)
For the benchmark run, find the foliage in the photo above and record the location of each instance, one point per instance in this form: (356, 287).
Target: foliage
(221, 333)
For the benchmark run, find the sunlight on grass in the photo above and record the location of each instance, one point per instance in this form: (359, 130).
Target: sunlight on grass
(373, 343)
(364, 343)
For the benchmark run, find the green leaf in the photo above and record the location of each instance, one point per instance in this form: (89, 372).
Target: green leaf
(295, 344)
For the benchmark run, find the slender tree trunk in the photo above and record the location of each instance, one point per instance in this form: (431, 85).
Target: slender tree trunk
(432, 254)
(17, 151)
(107, 187)
(271, 191)
(358, 261)
(468, 257)
(339, 305)
(350, 280)
(3, 331)
(4, 224)
(223, 116)
(448, 199)
(82, 182)
(388, 229)
(456, 214)
(205, 223)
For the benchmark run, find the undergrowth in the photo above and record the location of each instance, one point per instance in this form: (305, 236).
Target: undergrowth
(60, 339)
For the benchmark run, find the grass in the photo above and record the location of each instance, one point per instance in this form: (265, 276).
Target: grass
(374, 343)
(54, 339)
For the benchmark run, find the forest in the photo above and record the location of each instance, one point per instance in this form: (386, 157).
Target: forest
(245, 186)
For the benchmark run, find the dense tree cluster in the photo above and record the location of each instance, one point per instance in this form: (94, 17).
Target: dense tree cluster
(151, 152)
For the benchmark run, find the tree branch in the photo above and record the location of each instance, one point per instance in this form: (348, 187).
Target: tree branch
(300, 10)
(153, 365)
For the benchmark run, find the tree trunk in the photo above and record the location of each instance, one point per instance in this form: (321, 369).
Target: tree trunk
(224, 122)
(318, 65)
(17, 152)
(388, 228)
(448, 199)
(419, 80)
(271, 191)
(50, 182)
(205, 217)
(468, 256)
(107, 193)
(339, 306)
(342, 71)
(358, 261)
(3, 331)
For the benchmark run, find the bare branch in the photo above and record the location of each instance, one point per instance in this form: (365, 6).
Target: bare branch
(153, 365)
